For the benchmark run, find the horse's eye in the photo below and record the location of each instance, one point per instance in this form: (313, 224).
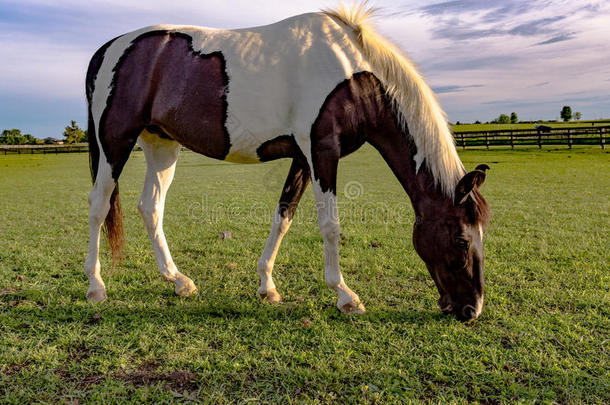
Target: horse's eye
(462, 243)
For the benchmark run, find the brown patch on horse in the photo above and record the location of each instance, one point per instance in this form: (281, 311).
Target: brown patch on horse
(298, 177)
(280, 147)
(162, 83)
(346, 117)
(296, 182)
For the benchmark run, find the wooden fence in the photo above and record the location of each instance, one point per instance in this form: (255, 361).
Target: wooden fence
(522, 137)
(514, 137)
(44, 149)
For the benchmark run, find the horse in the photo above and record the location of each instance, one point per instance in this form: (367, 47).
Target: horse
(313, 88)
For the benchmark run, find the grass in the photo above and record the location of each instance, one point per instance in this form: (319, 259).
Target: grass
(543, 336)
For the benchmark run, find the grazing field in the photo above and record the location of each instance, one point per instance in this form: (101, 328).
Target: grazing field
(544, 335)
(496, 127)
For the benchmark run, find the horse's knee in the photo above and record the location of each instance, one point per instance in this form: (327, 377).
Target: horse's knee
(283, 226)
(148, 211)
(329, 230)
(98, 211)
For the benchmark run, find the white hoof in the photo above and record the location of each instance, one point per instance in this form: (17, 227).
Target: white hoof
(185, 286)
(96, 295)
(271, 296)
(351, 308)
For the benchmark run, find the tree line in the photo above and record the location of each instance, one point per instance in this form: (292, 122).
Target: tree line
(565, 114)
(72, 134)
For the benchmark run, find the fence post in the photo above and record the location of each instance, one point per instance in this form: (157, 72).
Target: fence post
(539, 139)
(487, 140)
(463, 142)
(602, 140)
(569, 138)
(512, 141)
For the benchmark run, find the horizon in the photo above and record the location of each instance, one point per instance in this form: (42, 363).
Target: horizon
(519, 64)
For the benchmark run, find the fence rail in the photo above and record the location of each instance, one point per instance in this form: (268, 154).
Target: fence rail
(522, 137)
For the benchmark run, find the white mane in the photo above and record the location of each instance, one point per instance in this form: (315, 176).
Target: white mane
(413, 101)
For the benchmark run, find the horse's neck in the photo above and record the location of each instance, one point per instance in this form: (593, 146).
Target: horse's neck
(398, 151)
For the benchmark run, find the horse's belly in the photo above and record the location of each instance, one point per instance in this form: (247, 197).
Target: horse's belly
(249, 130)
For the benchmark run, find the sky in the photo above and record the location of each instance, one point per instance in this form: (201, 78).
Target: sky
(482, 57)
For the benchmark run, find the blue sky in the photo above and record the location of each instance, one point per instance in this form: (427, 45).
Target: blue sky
(482, 57)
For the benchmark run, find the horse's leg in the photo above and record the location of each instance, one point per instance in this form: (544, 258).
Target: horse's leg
(324, 185)
(161, 156)
(99, 205)
(296, 183)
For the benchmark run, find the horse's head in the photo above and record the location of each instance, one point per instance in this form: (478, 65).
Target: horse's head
(449, 239)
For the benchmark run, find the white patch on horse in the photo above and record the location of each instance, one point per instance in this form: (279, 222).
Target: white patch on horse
(99, 205)
(279, 227)
(161, 156)
(479, 307)
(328, 222)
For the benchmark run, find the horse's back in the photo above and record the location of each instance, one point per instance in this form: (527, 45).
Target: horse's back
(224, 93)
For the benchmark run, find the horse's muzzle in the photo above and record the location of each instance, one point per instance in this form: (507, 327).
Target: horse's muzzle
(465, 313)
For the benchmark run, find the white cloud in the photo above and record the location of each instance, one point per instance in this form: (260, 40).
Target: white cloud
(34, 66)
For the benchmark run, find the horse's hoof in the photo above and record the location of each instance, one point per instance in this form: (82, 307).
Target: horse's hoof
(354, 307)
(185, 286)
(96, 296)
(271, 296)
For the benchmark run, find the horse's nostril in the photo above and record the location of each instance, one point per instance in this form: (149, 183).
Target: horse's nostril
(469, 312)
(445, 304)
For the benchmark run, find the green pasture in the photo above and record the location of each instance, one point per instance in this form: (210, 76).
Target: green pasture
(504, 127)
(544, 336)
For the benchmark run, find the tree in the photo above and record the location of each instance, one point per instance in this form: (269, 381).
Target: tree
(513, 118)
(578, 116)
(74, 134)
(15, 137)
(566, 113)
(502, 119)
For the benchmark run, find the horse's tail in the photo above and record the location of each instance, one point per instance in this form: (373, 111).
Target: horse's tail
(412, 99)
(113, 223)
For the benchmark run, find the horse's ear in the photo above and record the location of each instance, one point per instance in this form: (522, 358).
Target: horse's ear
(469, 182)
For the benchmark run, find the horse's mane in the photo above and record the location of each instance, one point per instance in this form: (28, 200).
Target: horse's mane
(413, 101)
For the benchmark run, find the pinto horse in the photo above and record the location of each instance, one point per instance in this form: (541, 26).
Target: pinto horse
(312, 88)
